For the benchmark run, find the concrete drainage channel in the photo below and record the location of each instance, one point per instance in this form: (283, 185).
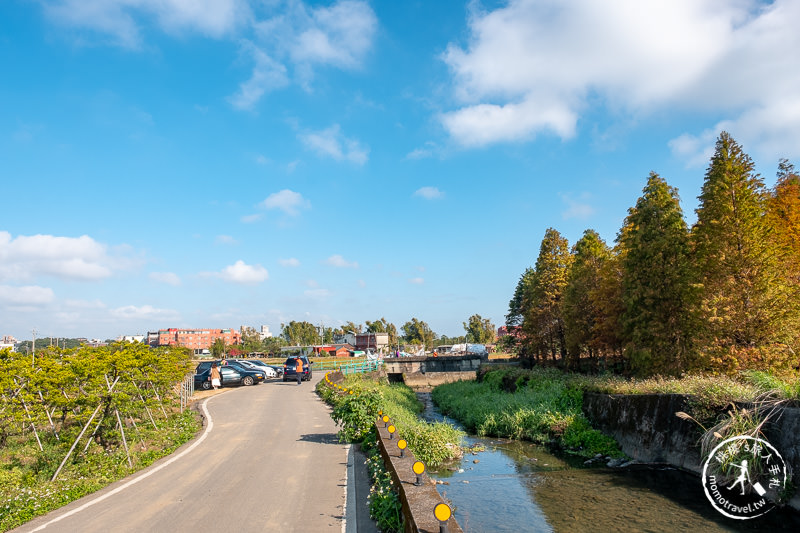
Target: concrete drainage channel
(423, 506)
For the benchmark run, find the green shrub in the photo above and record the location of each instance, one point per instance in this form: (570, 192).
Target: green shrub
(539, 405)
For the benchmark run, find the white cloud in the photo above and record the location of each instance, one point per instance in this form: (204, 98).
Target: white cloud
(25, 296)
(416, 281)
(533, 67)
(81, 258)
(144, 312)
(576, 207)
(317, 294)
(296, 38)
(122, 19)
(170, 278)
(330, 142)
(695, 150)
(429, 193)
(251, 219)
(290, 262)
(240, 272)
(267, 75)
(340, 262)
(225, 239)
(338, 35)
(288, 201)
(422, 153)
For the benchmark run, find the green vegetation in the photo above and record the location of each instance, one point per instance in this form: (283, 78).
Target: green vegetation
(722, 296)
(540, 405)
(384, 504)
(544, 404)
(122, 397)
(356, 413)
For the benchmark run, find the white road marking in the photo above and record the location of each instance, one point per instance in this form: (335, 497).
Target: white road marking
(142, 476)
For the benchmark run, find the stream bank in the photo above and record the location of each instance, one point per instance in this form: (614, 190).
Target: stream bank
(519, 486)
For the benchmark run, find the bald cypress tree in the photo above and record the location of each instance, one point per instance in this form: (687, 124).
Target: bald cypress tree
(783, 215)
(580, 306)
(543, 323)
(656, 282)
(745, 297)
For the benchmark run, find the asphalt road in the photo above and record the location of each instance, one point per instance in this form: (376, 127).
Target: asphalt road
(267, 460)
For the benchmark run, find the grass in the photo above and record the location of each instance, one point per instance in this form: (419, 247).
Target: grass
(432, 443)
(25, 487)
(542, 406)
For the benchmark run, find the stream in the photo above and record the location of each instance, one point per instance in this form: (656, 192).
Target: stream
(518, 486)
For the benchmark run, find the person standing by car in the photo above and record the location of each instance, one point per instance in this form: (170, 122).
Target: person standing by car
(298, 370)
(215, 378)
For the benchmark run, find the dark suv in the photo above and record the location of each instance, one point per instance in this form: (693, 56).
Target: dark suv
(289, 373)
(249, 375)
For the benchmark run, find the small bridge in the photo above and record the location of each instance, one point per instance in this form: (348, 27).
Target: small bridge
(419, 371)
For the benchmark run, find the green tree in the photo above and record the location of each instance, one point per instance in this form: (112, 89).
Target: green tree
(543, 323)
(480, 330)
(516, 307)
(272, 345)
(783, 215)
(580, 308)
(746, 300)
(218, 348)
(251, 340)
(300, 333)
(418, 332)
(383, 326)
(609, 306)
(657, 280)
(351, 327)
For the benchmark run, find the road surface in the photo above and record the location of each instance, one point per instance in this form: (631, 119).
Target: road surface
(267, 460)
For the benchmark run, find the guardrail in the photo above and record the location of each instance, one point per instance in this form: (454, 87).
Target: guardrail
(354, 367)
(187, 389)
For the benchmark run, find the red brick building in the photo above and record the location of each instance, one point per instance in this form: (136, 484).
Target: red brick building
(196, 339)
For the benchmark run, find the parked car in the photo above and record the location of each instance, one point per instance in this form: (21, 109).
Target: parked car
(278, 369)
(289, 372)
(228, 376)
(261, 365)
(250, 373)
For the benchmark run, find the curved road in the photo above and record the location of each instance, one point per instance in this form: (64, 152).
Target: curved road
(267, 460)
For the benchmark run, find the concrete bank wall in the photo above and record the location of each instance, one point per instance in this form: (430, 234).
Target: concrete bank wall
(417, 380)
(647, 430)
(418, 501)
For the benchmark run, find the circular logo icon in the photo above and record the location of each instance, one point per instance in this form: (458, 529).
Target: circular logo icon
(744, 476)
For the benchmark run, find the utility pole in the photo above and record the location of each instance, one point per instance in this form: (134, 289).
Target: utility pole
(33, 349)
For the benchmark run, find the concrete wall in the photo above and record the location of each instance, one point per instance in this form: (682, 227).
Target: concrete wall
(418, 380)
(424, 365)
(417, 501)
(647, 430)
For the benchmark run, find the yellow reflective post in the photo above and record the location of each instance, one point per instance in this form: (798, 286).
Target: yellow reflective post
(391, 430)
(402, 444)
(385, 420)
(442, 513)
(419, 468)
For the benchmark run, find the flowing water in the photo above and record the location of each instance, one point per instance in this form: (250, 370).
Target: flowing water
(518, 486)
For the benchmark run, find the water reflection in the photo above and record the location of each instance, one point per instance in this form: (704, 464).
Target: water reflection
(517, 486)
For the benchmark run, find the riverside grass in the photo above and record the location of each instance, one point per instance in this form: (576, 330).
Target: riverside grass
(356, 414)
(432, 443)
(543, 405)
(540, 405)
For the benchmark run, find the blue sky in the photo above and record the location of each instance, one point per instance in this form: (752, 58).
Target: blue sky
(219, 163)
